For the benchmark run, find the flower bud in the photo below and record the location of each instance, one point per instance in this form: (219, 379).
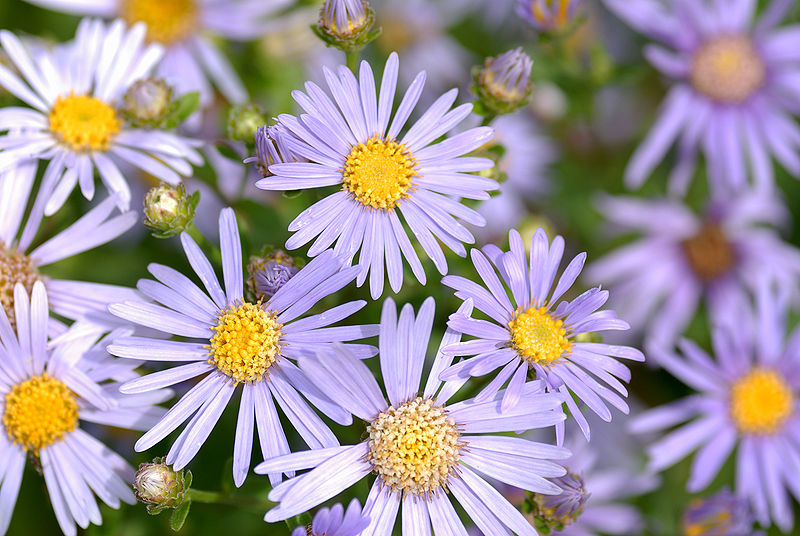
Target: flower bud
(504, 83)
(243, 121)
(346, 24)
(159, 486)
(554, 512)
(147, 102)
(271, 148)
(548, 15)
(169, 210)
(269, 273)
(722, 513)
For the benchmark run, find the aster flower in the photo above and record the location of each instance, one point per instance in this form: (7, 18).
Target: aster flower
(720, 514)
(185, 29)
(353, 144)
(21, 262)
(734, 89)
(48, 388)
(72, 121)
(234, 343)
(532, 330)
(548, 15)
(661, 278)
(421, 449)
(746, 400)
(335, 521)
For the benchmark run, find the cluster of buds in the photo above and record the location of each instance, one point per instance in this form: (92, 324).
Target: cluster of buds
(346, 24)
(269, 272)
(551, 513)
(548, 15)
(243, 122)
(160, 487)
(149, 103)
(169, 210)
(503, 84)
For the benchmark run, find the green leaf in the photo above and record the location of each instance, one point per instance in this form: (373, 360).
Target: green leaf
(183, 107)
(179, 516)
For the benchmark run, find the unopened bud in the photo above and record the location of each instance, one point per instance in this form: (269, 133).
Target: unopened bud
(721, 514)
(147, 102)
(271, 148)
(159, 486)
(169, 210)
(243, 121)
(346, 24)
(269, 272)
(548, 15)
(554, 512)
(504, 83)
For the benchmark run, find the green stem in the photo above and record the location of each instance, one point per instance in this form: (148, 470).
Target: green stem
(216, 497)
(351, 57)
(488, 118)
(204, 243)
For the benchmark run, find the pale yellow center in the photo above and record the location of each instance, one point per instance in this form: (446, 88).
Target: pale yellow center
(246, 343)
(708, 252)
(14, 268)
(414, 448)
(728, 69)
(83, 123)
(761, 402)
(379, 173)
(167, 20)
(537, 337)
(39, 412)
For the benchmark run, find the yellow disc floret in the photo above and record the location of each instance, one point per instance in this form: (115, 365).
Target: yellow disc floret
(83, 123)
(414, 448)
(537, 337)
(379, 173)
(167, 20)
(761, 401)
(14, 268)
(39, 412)
(728, 69)
(246, 342)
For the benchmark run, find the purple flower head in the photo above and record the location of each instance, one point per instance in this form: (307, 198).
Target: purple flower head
(562, 510)
(269, 273)
(660, 278)
(350, 141)
(271, 148)
(734, 91)
(746, 400)
(422, 450)
(548, 15)
(336, 521)
(232, 343)
(343, 18)
(721, 514)
(535, 332)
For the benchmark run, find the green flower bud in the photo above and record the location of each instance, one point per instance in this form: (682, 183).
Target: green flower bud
(159, 486)
(346, 24)
(147, 102)
(169, 210)
(503, 84)
(243, 121)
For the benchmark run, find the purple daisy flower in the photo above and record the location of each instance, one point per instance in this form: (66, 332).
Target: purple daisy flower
(747, 396)
(352, 143)
(233, 343)
(735, 89)
(533, 331)
(720, 514)
(48, 387)
(336, 521)
(421, 449)
(660, 278)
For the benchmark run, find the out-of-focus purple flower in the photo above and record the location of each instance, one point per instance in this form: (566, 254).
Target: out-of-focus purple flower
(537, 332)
(659, 280)
(560, 511)
(721, 514)
(747, 400)
(548, 15)
(735, 90)
(335, 521)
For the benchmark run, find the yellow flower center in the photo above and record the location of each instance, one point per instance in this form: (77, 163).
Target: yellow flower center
(167, 20)
(379, 173)
(246, 342)
(413, 448)
(761, 402)
(83, 123)
(709, 253)
(537, 337)
(39, 412)
(728, 69)
(14, 268)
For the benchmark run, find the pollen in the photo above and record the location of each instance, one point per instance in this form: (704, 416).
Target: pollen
(537, 337)
(415, 447)
(39, 412)
(167, 21)
(728, 69)
(379, 173)
(83, 123)
(246, 343)
(14, 268)
(761, 402)
(709, 253)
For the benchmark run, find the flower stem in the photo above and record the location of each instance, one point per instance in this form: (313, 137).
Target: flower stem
(204, 243)
(351, 57)
(488, 118)
(217, 497)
